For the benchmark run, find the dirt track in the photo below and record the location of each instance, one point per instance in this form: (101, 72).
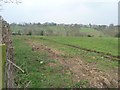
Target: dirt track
(78, 69)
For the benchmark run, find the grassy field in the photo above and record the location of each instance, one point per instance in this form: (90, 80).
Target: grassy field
(92, 32)
(106, 45)
(36, 63)
(40, 74)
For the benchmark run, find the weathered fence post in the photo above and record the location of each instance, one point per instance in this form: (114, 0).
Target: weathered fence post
(5, 38)
(2, 65)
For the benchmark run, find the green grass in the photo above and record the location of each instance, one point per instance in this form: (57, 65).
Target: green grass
(43, 76)
(81, 84)
(40, 75)
(102, 63)
(92, 32)
(101, 44)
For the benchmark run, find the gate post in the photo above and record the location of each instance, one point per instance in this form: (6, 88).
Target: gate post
(2, 65)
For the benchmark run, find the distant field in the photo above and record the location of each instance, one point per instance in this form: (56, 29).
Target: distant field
(91, 31)
(106, 44)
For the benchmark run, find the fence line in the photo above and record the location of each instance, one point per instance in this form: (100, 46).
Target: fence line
(5, 38)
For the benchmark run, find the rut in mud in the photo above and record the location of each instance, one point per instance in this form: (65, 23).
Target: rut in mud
(78, 69)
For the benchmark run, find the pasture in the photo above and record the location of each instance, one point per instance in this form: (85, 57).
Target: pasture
(106, 45)
(49, 61)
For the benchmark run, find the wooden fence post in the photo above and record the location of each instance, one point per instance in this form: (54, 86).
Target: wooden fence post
(2, 65)
(5, 38)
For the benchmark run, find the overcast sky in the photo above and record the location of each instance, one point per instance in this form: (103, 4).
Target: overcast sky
(62, 11)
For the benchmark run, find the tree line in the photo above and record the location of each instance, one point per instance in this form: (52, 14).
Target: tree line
(54, 29)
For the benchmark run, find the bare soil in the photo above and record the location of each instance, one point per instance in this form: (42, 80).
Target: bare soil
(79, 69)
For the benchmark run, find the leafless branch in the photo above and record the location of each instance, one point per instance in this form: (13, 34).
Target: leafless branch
(16, 66)
(27, 84)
